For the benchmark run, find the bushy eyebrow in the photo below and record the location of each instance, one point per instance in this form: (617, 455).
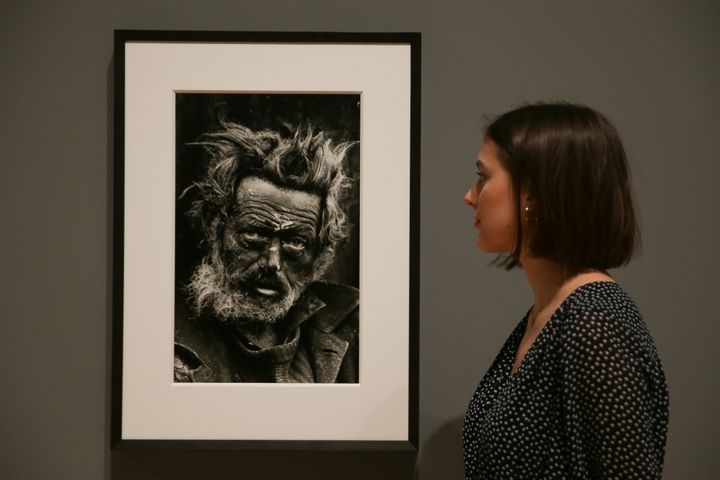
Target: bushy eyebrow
(266, 227)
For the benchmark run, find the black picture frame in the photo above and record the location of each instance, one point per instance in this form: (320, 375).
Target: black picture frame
(127, 262)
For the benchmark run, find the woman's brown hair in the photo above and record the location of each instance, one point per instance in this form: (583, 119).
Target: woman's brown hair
(571, 162)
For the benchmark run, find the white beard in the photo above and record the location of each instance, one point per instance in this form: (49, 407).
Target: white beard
(210, 289)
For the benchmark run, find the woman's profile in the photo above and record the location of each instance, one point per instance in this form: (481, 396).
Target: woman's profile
(578, 389)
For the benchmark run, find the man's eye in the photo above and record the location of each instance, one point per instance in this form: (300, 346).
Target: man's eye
(294, 245)
(251, 237)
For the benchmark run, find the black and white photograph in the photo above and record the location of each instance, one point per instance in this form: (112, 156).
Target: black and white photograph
(267, 238)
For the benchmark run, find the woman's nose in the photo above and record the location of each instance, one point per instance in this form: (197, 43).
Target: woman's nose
(469, 198)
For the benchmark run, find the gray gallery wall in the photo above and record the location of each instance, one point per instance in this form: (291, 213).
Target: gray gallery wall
(651, 66)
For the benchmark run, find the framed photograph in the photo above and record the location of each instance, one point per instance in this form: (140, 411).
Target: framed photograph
(266, 229)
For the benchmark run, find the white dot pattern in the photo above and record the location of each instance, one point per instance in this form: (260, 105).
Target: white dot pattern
(589, 399)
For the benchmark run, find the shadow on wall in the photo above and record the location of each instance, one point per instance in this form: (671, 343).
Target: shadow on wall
(441, 455)
(268, 465)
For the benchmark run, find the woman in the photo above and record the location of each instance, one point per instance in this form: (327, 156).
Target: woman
(577, 390)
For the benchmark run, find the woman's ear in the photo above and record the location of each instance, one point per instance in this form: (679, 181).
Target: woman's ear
(528, 207)
(526, 199)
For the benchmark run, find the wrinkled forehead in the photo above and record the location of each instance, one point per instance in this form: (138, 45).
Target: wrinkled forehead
(253, 192)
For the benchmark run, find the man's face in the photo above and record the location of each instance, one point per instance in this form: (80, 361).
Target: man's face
(268, 249)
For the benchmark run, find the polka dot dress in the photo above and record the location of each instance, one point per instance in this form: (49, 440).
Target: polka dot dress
(589, 399)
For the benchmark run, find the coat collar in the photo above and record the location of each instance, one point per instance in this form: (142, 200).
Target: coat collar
(338, 300)
(329, 304)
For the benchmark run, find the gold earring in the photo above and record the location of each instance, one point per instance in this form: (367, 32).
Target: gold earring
(527, 215)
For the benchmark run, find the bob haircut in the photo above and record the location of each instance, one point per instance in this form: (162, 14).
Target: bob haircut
(571, 162)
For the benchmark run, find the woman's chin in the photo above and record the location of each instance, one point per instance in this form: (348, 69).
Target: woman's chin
(481, 245)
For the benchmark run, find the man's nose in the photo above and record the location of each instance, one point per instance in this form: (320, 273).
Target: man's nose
(273, 260)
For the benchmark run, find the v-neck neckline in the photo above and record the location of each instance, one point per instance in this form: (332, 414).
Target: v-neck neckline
(542, 333)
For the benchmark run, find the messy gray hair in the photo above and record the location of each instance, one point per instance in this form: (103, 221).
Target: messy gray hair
(308, 161)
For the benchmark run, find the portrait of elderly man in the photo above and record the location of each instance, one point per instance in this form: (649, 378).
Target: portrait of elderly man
(269, 210)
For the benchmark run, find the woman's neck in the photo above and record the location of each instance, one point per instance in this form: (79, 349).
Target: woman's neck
(551, 282)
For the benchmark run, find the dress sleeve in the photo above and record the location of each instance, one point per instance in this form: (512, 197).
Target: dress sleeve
(609, 400)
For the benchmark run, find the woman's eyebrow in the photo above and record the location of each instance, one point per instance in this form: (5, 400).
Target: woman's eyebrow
(480, 165)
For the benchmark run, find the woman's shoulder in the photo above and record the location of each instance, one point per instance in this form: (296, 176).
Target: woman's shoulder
(601, 298)
(602, 315)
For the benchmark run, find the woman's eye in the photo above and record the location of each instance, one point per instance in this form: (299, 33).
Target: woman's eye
(294, 245)
(481, 175)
